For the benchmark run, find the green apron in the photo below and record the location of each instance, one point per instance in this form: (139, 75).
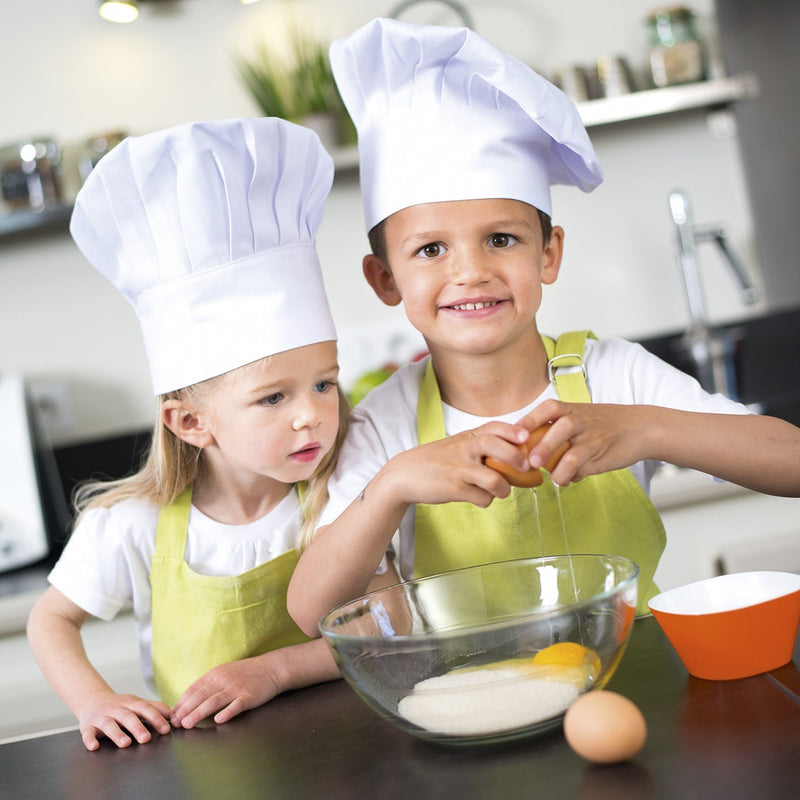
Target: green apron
(201, 621)
(608, 513)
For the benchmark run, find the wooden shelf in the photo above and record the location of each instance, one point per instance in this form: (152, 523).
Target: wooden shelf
(607, 111)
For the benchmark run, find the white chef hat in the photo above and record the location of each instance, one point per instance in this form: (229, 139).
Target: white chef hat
(441, 114)
(208, 229)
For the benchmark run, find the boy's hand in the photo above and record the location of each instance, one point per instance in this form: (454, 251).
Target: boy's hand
(453, 469)
(601, 436)
(111, 715)
(225, 691)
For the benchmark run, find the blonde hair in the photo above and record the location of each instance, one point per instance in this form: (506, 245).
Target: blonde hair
(171, 464)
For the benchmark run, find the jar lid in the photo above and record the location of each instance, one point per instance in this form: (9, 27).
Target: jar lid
(670, 12)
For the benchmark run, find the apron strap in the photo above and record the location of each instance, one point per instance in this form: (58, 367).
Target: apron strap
(565, 368)
(173, 523)
(430, 419)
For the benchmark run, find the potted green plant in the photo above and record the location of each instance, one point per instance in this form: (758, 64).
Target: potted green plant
(299, 88)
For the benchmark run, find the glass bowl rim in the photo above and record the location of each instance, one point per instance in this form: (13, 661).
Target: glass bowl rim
(363, 600)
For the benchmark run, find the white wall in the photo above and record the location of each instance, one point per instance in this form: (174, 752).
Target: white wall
(67, 73)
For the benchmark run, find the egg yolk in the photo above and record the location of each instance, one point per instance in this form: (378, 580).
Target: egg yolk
(566, 662)
(566, 655)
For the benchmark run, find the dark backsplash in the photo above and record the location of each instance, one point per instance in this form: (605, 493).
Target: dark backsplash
(765, 360)
(100, 458)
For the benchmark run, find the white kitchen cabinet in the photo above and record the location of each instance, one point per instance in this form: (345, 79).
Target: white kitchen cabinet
(28, 703)
(713, 527)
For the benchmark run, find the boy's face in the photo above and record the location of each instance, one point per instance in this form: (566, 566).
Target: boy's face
(469, 272)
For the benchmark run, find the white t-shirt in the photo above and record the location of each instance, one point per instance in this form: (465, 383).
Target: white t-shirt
(105, 565)
(385, 422)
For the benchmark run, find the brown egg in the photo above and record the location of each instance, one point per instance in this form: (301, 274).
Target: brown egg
(605, 727)
(531, 477)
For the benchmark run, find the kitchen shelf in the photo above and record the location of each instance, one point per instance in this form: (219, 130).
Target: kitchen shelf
(606, 111)
(636, 105)
(25, 220)
(669, 100)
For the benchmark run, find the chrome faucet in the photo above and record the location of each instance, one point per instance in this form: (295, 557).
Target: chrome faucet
(711, 353)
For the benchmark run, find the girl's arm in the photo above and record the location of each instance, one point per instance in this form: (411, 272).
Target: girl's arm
(54, 633)
(229, 689)
(340, 562)
(758, 452)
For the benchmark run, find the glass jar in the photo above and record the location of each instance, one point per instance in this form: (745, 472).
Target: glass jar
(30, 174)
(676, 52)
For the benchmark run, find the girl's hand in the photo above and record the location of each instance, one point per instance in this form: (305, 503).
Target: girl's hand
(111, 715)
(225, 691)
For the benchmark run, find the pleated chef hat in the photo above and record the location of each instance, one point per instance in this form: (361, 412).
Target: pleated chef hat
(208, 229)
(441, 114)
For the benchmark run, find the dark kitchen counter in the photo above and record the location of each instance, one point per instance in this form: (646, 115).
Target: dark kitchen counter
(707, 739)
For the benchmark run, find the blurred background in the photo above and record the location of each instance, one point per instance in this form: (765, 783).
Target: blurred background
(69, 76)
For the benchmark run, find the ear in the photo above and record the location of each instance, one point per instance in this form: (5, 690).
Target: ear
(379, 277)
(551, 259)
(185, 424)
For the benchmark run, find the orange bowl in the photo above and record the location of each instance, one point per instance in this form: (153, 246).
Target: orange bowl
(732, 626)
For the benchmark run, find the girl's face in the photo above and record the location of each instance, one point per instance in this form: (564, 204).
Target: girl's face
(275, 418)
(469, 272)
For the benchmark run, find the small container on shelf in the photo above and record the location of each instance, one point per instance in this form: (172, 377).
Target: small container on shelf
(614, 76)
(574, 82)
(676, 52)
(30, 175)
(94, 148)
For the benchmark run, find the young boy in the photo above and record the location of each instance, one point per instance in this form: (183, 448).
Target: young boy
(459, 145)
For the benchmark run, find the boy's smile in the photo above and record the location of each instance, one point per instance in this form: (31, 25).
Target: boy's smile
(469, 272)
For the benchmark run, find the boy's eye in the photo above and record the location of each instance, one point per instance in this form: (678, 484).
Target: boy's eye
(431, 250)
(501, 240)
(271, 399)
(323, 386)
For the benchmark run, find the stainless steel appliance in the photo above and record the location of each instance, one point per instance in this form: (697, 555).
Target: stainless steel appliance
(33, 510)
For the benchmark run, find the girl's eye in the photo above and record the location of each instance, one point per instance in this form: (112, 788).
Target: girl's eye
(323, 386)
(431, 250)
(502, 240)
(272, 399)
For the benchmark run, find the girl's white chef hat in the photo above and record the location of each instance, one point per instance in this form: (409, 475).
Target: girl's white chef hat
(441, 114)
(208, 229)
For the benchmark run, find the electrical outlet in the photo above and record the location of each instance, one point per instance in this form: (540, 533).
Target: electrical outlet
(53, 401)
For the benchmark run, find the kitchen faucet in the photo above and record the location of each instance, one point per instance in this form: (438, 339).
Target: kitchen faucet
(711, 352)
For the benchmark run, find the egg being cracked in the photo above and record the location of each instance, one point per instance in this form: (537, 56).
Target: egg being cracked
(529, 478)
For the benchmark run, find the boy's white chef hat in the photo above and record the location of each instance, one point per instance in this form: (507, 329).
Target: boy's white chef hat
(441, 114)
(208, 229)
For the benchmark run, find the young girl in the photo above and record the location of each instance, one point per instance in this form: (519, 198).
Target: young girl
(208, 229)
